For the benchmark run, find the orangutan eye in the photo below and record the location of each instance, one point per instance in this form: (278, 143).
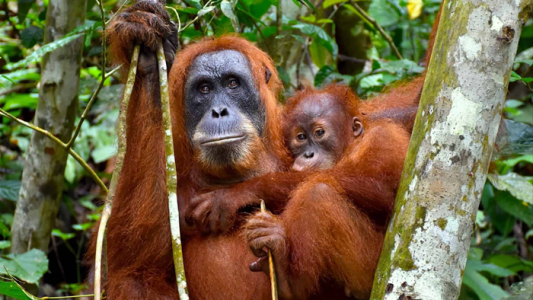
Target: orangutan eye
(204, 88)
(319, 132)
(301, 137)
(233, 83)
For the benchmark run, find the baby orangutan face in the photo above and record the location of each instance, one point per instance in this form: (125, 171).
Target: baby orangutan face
(319, 129)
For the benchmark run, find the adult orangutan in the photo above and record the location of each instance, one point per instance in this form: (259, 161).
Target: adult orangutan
(226, 129)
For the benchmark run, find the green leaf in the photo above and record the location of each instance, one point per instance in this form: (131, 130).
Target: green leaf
(383, 12)
(29, 266)
(513, 263)
(205, 10)
(12, 78)
(103, 153)
(62, 235)
(318, 54)
(4, 231)
(39, 53)
(310, 18)
(514, 77)
(5, 244)
(23, 9)
(481, 286)
(529, 62)
(12, 290)
(377, 80)
(9, 189)
(319, 35)
(15, 101)
(322, 74)
(83, 226)
(493, 269)
(515, 207)
(401, 66)
(227, 10)
(517, 185)
(329, 3)
(283, 75)
(31, 36)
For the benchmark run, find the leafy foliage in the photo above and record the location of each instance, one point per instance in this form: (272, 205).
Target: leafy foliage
(313, 43)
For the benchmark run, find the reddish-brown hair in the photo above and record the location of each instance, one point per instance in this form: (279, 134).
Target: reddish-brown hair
(259, 63)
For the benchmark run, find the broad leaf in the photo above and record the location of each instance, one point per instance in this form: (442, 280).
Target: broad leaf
(514, 207)
(9, 189)
(205, 10)
(383, 12)
(481, 286)
(5, 244)
(31, 36)
(29, 266)
(12, 290)
(517, 185)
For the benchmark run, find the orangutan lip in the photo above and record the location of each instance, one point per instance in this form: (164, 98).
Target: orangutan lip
(224, 140)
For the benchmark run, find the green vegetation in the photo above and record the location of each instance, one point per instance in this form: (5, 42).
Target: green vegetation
(314, 43)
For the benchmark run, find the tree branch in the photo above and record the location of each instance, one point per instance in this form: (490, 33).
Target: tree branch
(378, 27)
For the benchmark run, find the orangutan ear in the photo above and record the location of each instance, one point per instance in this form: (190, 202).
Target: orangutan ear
(268, 74)
(357, 126)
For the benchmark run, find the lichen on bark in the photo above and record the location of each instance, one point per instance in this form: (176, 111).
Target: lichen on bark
(427, 241)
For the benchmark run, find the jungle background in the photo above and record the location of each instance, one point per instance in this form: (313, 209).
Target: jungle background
(313, 43)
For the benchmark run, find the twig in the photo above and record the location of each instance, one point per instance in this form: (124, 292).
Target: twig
(177, 15)
(17, 88)
(195, 19)
(121, 152)
(378, 27)
(171, 179)
(116, 13)
(104, 77)
(58, 141)
(273, 280)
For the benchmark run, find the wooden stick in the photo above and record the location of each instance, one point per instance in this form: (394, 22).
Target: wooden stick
(273, 280)
(100, 257)
(171, 179)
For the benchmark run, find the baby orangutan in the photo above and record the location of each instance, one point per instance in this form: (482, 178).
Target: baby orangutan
(328, 239)
(318, 130)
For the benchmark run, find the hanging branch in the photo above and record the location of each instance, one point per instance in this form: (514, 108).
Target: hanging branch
(371, 20)
(171, 178)
(121, 152)
(75, 155)
(271, 267)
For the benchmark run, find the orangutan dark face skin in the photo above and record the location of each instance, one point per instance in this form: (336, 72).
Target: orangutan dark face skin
(224, 115)
(319, 133)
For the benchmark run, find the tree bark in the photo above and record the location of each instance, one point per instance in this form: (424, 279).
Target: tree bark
(426, 246)
(44, 168)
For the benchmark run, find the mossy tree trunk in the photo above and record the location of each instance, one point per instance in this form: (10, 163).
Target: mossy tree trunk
(44, 168)
(425, 251)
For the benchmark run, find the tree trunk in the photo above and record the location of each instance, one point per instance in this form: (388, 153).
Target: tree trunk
(424, 254)
(44, 168)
